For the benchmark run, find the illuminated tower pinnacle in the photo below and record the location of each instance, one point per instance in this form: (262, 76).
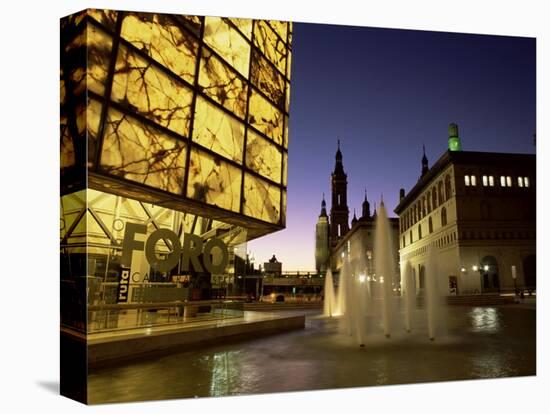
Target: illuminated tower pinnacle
(323, 207)
(322, 251)
(339, 212)
(454, 140)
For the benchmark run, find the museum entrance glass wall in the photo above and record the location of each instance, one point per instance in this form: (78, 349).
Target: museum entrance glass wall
(94, 231)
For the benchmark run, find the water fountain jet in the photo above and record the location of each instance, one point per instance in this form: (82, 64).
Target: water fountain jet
(383, 260)
(410, 294)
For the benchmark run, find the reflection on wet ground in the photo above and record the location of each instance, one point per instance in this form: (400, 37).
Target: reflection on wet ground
(479, 342)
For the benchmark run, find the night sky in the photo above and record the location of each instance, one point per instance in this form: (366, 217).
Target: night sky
(384, 93)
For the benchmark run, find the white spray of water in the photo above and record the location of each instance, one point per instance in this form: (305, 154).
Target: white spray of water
(409, 291)
(433, 297)
(356, 301)
(330, 308)
(384, 265)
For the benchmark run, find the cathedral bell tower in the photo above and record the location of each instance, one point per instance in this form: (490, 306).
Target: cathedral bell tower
(322, 248)
(339, 212)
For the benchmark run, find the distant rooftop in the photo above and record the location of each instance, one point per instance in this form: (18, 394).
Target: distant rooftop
(464, 157)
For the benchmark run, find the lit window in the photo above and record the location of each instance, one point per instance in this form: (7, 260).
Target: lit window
(520, 181)
(339, 230)
(473, 180)
(502, 181)
(467, 180)
(491, 181)
(509, 181)
(485, 181)
(526, 181)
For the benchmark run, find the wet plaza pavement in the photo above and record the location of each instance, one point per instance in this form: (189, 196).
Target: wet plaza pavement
(478, 342)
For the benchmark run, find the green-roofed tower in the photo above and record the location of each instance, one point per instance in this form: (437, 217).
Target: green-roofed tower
(454, 140)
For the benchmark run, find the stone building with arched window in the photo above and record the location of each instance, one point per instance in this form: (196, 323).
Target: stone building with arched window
(478, 211)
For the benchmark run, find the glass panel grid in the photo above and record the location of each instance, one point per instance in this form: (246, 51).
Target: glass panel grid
(156, 77)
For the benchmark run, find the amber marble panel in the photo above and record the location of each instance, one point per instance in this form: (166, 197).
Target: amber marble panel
(263, 157)
(99, 53)
(262, 200)
(218, 131)
(105, 17)
(214, 181)
(244, 25)
(67, 155)
(281, 28)
(270, 44)
(267, 119)
(228, 43)
(146, 90)
(221, 83)
(138, 152)
(164, 40)
(268, 79)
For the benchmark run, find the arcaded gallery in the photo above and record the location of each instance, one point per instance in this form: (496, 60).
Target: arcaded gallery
(174, 137)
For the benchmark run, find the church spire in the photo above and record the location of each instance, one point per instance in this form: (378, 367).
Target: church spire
(366, 208)
(339, 167)
(425, 167)
(354, 219)
(339, 211)
(323, 207)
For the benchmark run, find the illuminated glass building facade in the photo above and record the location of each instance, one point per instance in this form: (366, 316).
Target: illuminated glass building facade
(173, 122)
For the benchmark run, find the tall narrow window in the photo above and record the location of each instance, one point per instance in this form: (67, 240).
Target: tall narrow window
(473, 180)
(447, 187)
(520, 181)
(339, 230)
(410, 236)
(526, 181)
(491, 181)
(485, 181)
(502, 181)
(419, 231)
(443, 216)
(339, 203)
(509, 181)
(430, 225)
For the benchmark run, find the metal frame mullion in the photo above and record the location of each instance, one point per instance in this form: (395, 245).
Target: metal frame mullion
(246, 124)
(108, 88)
(193, 106)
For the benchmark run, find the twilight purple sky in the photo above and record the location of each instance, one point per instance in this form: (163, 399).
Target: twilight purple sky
(384, 93)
